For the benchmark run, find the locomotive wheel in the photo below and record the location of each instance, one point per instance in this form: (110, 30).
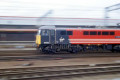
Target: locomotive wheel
(74, 51)
(49, 51)
(113, 50)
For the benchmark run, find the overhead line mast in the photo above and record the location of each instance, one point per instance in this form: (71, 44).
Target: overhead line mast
(40, 19)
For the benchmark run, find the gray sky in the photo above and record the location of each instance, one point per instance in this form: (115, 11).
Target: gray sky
(61, 8)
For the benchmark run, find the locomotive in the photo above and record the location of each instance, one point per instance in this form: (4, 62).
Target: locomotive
(55, 39)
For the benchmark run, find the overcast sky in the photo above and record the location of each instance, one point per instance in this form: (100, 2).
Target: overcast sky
(61, 8)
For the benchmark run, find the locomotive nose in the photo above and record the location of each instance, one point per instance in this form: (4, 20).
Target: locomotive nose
(38, 40)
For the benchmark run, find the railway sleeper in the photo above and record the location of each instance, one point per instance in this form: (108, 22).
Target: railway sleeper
(61, 73)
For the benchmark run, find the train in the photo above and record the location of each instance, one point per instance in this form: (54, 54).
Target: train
(51, 39)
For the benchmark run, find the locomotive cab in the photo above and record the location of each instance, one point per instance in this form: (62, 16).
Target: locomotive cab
(45, 36)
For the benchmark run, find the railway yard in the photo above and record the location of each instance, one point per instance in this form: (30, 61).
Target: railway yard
(21, 60)
(59, 40)
(27, 64)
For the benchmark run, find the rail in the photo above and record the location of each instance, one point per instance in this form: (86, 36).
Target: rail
(58, 71)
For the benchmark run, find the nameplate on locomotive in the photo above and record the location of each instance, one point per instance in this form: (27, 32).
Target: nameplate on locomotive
(117, 36)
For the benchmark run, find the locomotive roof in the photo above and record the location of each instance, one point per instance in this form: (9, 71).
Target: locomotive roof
(47, 27)
(61, 28)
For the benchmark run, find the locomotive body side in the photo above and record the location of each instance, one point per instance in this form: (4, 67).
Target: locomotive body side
(95, 36)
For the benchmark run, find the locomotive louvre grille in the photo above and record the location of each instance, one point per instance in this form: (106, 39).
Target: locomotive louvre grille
(98, 33)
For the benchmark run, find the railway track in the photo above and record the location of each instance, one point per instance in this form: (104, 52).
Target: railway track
(27, 56)
(61, 72)
(55, 56)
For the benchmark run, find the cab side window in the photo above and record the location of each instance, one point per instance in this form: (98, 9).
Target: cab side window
(52, 32)
(45, 32)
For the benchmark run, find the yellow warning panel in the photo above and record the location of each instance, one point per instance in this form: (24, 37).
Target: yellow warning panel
(38, 40)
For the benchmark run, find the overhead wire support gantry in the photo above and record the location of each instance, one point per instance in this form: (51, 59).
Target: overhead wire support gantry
(109, 9)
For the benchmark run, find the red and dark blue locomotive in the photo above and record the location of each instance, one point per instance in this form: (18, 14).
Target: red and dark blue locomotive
(53, 39)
